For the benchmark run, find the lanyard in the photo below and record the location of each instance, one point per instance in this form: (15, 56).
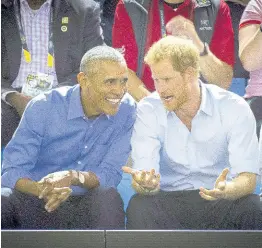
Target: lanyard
(26, 52)
(162, 18)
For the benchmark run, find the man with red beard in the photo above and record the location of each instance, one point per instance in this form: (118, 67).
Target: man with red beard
(201, 140)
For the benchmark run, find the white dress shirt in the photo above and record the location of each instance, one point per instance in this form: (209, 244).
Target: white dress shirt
(223, 134)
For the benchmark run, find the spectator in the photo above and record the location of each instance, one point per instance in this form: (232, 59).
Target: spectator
(260, 164)
(176, 17)
(240, 76)
(43, 42)
(107, 18)
(196, 136)
(250, 53)
(72, 138)
(260, 148)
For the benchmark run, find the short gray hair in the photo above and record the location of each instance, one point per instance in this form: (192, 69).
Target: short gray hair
(100, 53)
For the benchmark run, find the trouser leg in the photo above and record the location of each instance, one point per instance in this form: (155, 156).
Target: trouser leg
(22, 211)
(187, 210)
(102, 208)
(242, 214)
(165, 210)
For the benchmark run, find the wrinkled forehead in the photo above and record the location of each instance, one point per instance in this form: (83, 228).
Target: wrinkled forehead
(97, 65)
(107, 69)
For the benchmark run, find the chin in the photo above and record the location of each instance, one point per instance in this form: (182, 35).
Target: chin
(169, 107)
(111, 111)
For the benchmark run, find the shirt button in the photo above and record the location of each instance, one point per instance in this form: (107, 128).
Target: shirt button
(79, 162)
(85, 147)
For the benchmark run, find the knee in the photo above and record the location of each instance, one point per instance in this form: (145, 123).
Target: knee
(140, 205)
(7, 209)
(250, 203)
(5, 198)
(108, 197)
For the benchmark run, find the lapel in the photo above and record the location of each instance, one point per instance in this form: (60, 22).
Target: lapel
(61, 39)
(12, 41)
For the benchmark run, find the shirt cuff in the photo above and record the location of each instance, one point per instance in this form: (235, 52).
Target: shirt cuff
(3, 96)
(246, 166)
(107, 180)
(10, 177)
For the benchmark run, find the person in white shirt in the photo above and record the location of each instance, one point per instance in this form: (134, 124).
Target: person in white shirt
(201, 140)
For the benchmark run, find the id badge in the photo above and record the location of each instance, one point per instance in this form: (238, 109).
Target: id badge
(38, 83)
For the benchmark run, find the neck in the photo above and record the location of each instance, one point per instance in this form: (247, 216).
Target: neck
(35, 4)
(190, 108)
(174, 1)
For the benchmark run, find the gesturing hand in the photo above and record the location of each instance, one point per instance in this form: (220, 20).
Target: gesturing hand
(219, 191)
(145, 179)
(58, 179)
(56, 197)
(180, 26)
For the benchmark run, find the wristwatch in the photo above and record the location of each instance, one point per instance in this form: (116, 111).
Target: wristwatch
(81, 177)
(205, 51)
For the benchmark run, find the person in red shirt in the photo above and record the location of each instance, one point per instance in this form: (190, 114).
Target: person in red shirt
(218, 57)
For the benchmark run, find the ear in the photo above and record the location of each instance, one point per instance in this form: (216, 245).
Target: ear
(190, 74)
(82, 79)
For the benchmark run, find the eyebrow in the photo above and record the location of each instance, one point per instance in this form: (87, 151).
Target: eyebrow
(125, 79)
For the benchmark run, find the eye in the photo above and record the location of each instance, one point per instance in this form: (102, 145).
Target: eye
(124, 81)
(155, 80)
(110, 81)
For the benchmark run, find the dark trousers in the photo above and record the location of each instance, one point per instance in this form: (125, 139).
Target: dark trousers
(98, 209)
(187, 210)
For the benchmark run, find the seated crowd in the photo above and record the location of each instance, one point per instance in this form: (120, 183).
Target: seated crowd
(176, 103)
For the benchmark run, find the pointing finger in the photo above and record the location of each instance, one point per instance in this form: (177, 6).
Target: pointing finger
(222, 176)
(128, 170)
(207, 197)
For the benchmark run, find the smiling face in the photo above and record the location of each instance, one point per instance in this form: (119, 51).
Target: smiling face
(103, 89)
(172, 86)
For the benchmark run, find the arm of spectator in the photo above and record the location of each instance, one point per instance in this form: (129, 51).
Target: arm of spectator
(220, 56)
(136, 87)
(109, 172)
(93, 34)
(250, 36)
(18, 100)
(210, 65)
(21, 154)
(123, 39)
(92, 37)
(221, 53)
(250, 42)
(145, 145)
(12, 97)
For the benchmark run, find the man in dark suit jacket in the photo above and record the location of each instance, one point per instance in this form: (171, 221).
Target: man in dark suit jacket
(83, 32)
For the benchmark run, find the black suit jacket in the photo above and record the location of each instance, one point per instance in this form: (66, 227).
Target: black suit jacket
(83, 33)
